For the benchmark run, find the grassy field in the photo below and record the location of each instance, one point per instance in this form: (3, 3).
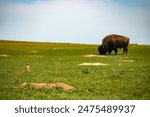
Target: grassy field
(53, 62)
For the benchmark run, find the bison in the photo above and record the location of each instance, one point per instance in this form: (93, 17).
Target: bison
(113, 42)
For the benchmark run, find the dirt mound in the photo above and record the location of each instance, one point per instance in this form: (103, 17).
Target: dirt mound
(93, 55)
(131, 61)
(93, 64)
(34, 51)
(4, 55)
(64, 86)
(57, 48)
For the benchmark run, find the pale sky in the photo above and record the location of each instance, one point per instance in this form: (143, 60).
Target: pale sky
(74, 21)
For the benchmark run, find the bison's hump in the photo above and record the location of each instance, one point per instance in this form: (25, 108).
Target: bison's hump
(113, 38)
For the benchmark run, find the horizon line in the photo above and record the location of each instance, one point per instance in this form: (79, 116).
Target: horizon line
(64, 42)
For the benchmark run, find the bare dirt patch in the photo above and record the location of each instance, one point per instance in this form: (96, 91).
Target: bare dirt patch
(64, 86)
(93, 64)
(58, 48)
(4, 55)
(93, 55)
(34, 51)
(131, 61)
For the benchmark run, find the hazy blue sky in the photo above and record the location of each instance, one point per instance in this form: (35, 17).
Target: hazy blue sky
(74, 21)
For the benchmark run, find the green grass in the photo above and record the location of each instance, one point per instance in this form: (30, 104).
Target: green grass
(54, 62)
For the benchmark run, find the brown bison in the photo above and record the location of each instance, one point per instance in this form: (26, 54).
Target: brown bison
(112, 42)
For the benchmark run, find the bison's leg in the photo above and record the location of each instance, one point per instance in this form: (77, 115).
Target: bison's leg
(125, 49)
(109, 51)
(116, 50)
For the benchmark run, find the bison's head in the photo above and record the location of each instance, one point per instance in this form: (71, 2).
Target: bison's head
(102, 50)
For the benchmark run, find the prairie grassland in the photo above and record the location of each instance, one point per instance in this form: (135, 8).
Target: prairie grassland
(124, 76)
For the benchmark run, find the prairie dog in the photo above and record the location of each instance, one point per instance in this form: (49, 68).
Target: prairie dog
(27, 68)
